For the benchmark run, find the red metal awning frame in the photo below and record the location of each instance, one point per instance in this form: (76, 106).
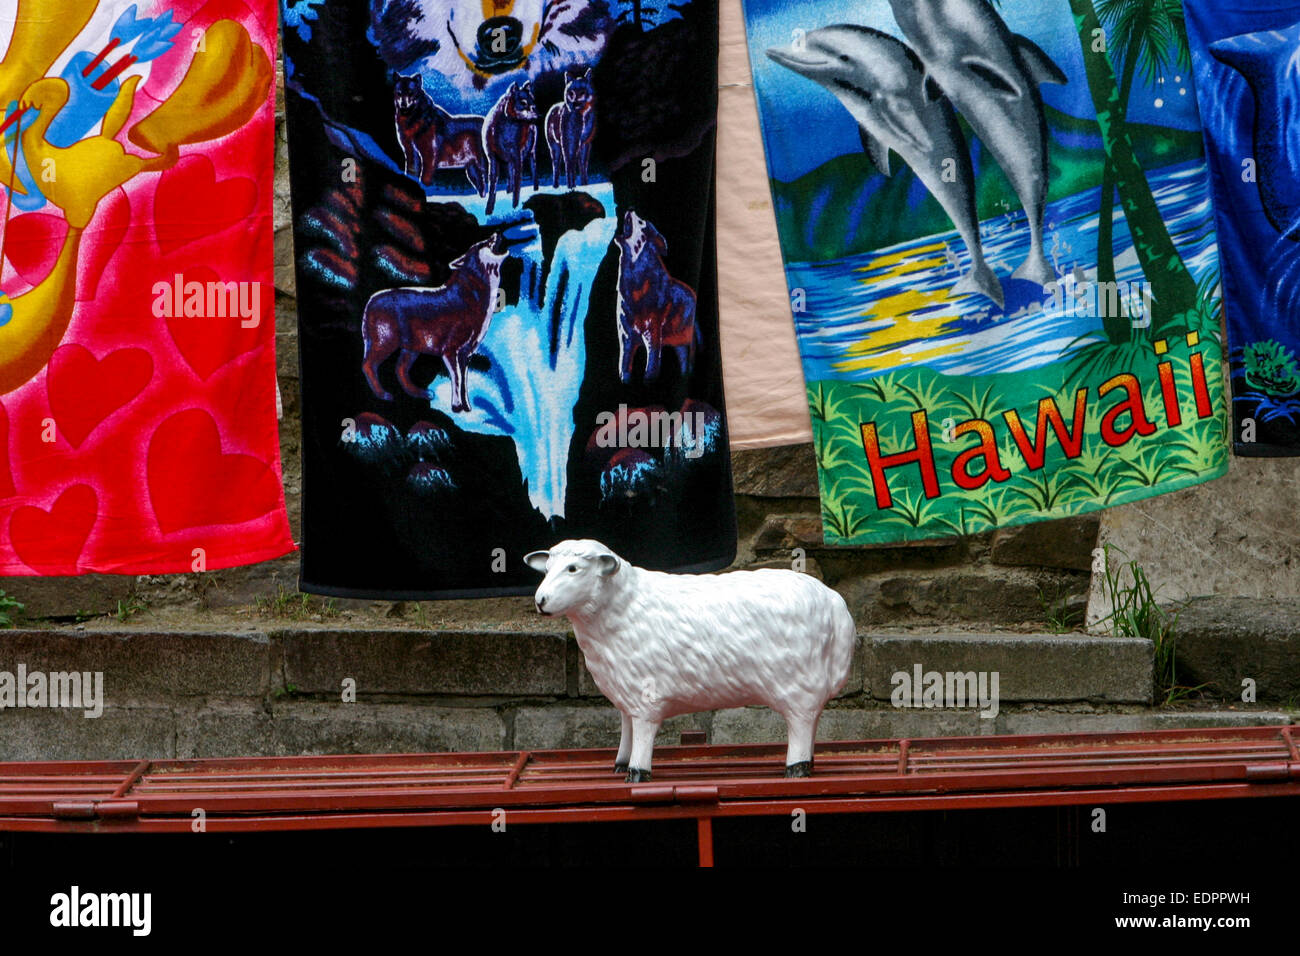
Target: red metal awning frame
(690, 782)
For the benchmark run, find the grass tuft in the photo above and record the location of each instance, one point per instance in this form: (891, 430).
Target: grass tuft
(1135, 613)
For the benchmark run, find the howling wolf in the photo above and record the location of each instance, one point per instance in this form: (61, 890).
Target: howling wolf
(471, 42)
(655, 311)
(449, 322)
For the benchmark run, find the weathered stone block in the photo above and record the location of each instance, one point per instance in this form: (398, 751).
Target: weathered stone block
(425, 662)
(1225, 640)
(148, 667)
(120, 733)
(1067, 543)
(313, 727)
(68, 597)
(943, 595)
(874, 723)
(789, 471)
(789, 531)
(1031, 667)
(564, 726)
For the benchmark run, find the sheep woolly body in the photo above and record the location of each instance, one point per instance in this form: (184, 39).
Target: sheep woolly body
(658, 645)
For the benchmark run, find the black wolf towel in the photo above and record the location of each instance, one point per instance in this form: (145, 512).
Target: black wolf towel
(506, 288)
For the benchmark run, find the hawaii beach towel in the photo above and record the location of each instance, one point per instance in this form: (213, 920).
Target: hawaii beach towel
(1246, 59)
(138, 429)
(506, 287)
(1000, 253)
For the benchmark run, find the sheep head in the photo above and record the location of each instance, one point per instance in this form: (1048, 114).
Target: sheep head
(579, 574)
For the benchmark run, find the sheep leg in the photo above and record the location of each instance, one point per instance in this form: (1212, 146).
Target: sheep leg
(624, 745)
(802, 731)
(643, 745)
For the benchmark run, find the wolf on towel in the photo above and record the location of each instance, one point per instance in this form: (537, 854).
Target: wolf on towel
(465, 309)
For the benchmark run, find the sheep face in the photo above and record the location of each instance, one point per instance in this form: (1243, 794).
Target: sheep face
(577, 573)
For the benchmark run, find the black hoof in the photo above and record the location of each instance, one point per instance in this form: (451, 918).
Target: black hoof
(801, 769)
(620, 768)
(636, 775)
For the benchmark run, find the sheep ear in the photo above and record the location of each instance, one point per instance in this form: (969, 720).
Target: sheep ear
(608, 564)
(537, 560)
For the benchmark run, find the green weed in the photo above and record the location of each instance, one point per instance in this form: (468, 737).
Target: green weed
(10, 610)
(126, 609)
(1135, 613)
(1061, 619)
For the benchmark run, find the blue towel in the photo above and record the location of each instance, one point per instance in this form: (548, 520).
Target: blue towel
(1246, 57)
(1000, 254)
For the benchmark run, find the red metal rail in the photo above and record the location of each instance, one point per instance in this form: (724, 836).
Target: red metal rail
(690, 782)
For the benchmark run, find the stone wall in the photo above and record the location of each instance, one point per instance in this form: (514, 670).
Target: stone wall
(1001, 579)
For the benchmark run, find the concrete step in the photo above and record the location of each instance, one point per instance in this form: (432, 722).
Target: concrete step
(288, 726)
(142, 666)
(1229, 641)
(260, 687)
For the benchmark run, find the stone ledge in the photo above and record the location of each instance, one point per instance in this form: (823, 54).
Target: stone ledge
(752, 725)
(286, 727)
(749, 725)
(942, 595)
(1222, 640)
(1041, 721)
(149, 667)
(69, 597)
(296, 727)
(425, 662)
(1031, 667)
(119, 733)
(564, 726)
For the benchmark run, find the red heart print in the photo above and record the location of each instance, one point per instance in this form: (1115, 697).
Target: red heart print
(84, 391)
(209, 342)
(192, 483)
(190, 204)
(51, 542)
(33, 243)
(101, 240)
(6, 476)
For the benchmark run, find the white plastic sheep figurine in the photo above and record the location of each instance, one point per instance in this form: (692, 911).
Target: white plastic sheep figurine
(659, 645)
